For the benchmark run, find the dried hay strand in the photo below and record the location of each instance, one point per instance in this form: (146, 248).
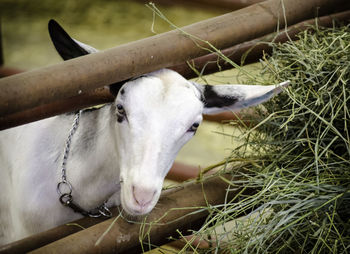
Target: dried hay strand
(299, 157)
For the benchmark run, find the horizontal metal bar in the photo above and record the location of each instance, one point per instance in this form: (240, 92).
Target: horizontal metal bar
(172, 204)
(67, 79)
(205, 64)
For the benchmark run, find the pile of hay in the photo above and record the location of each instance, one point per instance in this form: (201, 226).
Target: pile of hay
(298, 159)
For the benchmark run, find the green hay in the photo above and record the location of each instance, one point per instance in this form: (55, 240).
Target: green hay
(301, 155)
(297, 157)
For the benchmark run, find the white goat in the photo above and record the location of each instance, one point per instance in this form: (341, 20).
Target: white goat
(120, 152)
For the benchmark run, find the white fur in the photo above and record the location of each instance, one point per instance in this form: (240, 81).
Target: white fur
(141, 150)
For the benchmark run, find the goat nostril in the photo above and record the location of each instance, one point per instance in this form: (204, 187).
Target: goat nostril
(142, 195)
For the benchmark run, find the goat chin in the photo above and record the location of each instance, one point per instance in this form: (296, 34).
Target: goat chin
(132, 218)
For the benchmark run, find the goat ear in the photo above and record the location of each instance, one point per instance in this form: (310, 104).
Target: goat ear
(221, 98)
(66, 46)
(69, 48)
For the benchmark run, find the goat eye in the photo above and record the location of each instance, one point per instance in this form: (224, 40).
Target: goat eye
(194, 127)
(120, 109)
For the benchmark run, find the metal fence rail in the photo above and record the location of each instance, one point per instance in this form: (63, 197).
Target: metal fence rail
(175, 210)
(67, 79)
(207, 64)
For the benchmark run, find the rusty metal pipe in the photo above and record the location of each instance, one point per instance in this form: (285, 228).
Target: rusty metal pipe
(124, 235)
(38, 240)
(253, 49)
(229, 5)
(178, 172)
(206, 65)
(88, 99)
(83, 74)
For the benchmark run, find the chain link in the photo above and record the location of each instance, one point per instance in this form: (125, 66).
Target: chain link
(64, 188)
(68, 144)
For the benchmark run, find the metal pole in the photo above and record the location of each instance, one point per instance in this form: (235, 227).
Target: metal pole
(255, 48)
(217, 4)
(67, 79)
(124, 235)
(205, 64)
(38, 240)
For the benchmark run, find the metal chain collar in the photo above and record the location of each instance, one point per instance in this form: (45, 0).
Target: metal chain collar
(64, 188)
